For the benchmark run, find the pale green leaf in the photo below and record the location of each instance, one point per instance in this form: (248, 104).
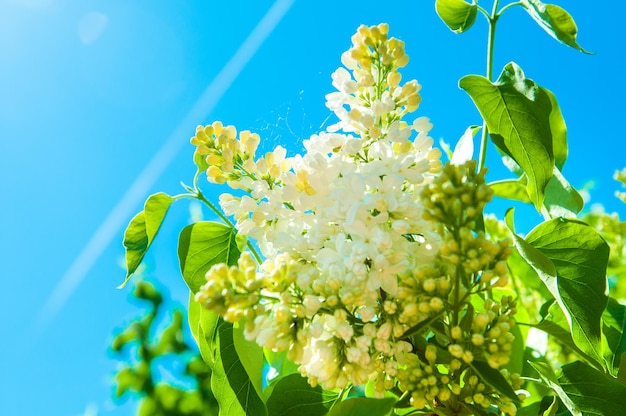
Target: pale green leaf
(556, 21)
(142, 229)
(517, 113)
(202, 245)
(464, 149)
(194, 311)
(562, 199)
(559, 131)
(359, 406)
(458, 15)
(514, 189)
(293, 395)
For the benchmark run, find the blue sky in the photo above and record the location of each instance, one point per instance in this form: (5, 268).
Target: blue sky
(91, 92)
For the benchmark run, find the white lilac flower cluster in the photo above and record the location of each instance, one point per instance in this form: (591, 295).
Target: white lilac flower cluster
(352, 254)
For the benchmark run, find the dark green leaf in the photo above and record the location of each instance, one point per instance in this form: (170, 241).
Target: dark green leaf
(556, 21)
(546, 373)
(516, 360)
(561, 200)
(142, 229)
(579, 256)
(359, 406)
(614, 326)
(458, 15)
(494, 378)
(533, 409)
(230, 383)
(517, 110)
(591, 391)
(293, 395)
(202, 245)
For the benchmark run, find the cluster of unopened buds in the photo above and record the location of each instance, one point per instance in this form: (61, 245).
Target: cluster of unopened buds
(371, 254)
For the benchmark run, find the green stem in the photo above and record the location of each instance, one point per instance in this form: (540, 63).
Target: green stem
(493, 18)
(483, 11)
(223, 217)
(226, 221)
(343, 392)
(508, 6)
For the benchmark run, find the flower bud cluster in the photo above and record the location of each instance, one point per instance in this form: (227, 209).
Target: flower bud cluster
(467, 263)
(458, 196)
(450, 386)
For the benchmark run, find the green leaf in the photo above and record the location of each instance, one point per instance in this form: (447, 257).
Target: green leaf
(231, 385)
(458, 15)
(280, 364)
(204, 325)
(556, 325)
(592, 392)
(464, 149)
(142, 229)
(517, 113)
(514, 189)
(552, 409)
(293, 395)
(562, 199)
(559, 131)
(251, 356)
(614, 328)
(557, 22)
(538, 261)
(359, 406)
(575, 253)
(208, 336)
(202, 245)
(533, 409)
(194, 311)
(549, 378)
(579, 255)
(494, 378)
